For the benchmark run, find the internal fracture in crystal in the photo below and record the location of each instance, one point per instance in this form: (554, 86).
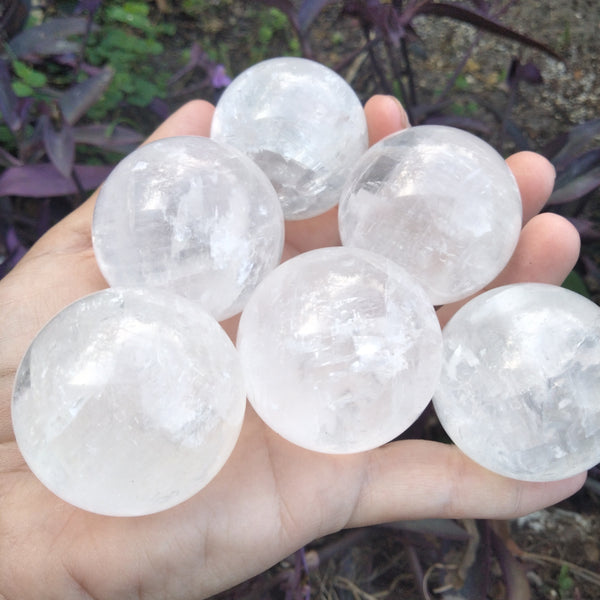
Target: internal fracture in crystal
(190, 215)
(340, 350)
(301, 123)
(440, 202)
(521, 380)
(128, 402)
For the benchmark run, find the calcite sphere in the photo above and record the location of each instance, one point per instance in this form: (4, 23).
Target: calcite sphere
(340, 350)
(128, 402)
(520, 381)
(190, 215)
(301, 123)
(440, 202)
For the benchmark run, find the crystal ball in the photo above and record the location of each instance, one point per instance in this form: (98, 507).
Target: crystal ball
(340, 350)
(191, 215)
(128, 402)
(440, 202)
(520, 381)
(301, 123)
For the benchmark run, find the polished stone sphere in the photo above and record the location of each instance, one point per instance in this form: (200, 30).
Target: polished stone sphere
(340, 350)
(190, 215)
(520, 385)
(440, 202)
(301, 123)
(128, 402)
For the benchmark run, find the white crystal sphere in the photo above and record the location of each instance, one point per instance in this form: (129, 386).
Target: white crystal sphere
(301, 123)
(128, 402)
(190, 215)
(520, 381)
(340, 350)
(440, 202)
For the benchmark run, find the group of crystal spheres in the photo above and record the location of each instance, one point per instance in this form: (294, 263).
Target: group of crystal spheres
(131, 399)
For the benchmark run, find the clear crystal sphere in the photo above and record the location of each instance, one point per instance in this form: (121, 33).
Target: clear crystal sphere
(340, 350)
(190, 215)
(128, 402)
(521, 380)
(440, 202)
(301, 123)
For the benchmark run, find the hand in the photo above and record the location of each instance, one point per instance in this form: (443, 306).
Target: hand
(271, 497)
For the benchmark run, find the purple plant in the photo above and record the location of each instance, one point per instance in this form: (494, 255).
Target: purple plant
(41, 160)
(389, 27)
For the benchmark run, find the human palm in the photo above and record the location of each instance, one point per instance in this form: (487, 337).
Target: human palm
(271, 497)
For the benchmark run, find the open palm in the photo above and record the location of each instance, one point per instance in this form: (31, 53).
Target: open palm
(271, 497)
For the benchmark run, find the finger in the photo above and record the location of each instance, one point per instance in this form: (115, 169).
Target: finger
(535, 177)
(384, 115)
(441, 481)
(546, 253)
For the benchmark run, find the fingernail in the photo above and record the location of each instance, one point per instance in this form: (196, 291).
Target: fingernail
(404, 123)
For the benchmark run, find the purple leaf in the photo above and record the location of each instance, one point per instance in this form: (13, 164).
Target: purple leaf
(383, 17)
(13, 16)
(44, 180)
(59, 145)
(90, 6)
(119, 138)
(565, 147)
(219, 77)
(159, 107)
(49, 38)
(7, 159)
(76, 101)
(578, 178)
(527, 72)
(8, 99)
(531, 74)
(309, 11)
(476, 18)
(15, 251)
(198, 58)
(576, 189)
(586, 228)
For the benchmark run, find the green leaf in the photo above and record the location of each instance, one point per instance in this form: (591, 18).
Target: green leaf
(137, 8)
(131, 18)
(265, 33)
(144, 93)
(575, 283)
(22, 90)
(29, 76)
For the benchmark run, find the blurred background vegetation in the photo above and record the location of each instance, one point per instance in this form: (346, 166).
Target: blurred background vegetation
(82, 82)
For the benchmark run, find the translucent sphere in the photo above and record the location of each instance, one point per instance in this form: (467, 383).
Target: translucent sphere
(128, 402)
(190, 215)
(301, 123)
(340, 350)
(520, 381)
(438, 201)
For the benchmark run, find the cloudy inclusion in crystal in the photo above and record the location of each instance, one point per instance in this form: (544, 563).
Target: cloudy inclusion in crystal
(440, 202)
(521, 380)
(128, 402)
(340, 350)
(301, 123)
(190, 215)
